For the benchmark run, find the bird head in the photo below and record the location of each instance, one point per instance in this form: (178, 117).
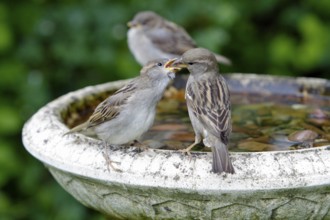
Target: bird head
(145, 19)
(197, 61)
(160, 68)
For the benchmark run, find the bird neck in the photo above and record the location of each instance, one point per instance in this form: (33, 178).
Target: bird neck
(203, 69)
(160, 84)
(156, 84)
(205, 75)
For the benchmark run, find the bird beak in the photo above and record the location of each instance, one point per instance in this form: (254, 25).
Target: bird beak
(169, 65)
(178, 63)
(131, 24)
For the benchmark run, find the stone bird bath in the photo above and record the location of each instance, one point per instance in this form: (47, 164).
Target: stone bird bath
(164, 184)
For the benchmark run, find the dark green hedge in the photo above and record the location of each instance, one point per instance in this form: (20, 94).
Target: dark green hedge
(49, 48)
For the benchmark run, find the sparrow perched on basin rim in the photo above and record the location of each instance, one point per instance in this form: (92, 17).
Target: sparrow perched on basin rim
(129, 112)
(151, 36)
(208, 102)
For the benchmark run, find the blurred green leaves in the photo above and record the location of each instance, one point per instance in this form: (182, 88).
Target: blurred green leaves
(11, 122)
(304, 54)
(8, 167)
(6, 37)
(315, 37)
(49, 48)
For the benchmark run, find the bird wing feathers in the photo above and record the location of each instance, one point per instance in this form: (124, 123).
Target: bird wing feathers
(112, 106)
(171, 38)
(209, 102)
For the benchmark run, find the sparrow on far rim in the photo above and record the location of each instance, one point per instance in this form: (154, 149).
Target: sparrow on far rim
(151, 36)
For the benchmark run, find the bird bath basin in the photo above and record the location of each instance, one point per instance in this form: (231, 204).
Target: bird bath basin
(164, 184)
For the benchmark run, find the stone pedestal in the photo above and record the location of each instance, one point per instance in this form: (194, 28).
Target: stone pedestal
(164, 184)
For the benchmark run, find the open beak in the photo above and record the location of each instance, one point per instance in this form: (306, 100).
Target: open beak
(172, 66)
(131, 24)
(172, 69)
(178, 63)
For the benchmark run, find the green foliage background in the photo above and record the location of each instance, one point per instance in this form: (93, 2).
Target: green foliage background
(48, 48)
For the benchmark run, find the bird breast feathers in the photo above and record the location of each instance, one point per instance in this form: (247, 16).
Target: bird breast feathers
(210, 104)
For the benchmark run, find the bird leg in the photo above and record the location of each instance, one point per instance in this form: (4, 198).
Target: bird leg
(108, 160)
(187, 150)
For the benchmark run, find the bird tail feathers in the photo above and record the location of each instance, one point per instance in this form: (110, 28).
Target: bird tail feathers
(222, 59)
(221, 161)
(82, 128)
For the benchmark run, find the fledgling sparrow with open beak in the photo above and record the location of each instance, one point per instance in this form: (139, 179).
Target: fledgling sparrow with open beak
(151, 36)
(129, 112)
(208, 102)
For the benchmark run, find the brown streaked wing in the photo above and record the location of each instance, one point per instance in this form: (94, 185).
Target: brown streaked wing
(171, 38)
(211, 104)
(111, 107)
(128, 88)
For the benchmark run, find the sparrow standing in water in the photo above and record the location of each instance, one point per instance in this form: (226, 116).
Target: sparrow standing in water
(208, 102)
(151, 36)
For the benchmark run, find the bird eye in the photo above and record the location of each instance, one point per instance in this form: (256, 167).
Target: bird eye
(146, 21)
(159, 64)
(190, 63)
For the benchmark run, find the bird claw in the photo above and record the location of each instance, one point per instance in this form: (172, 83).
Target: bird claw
(186, 152)
(109, 163)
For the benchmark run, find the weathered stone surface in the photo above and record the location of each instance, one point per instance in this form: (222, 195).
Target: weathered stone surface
(164, 184)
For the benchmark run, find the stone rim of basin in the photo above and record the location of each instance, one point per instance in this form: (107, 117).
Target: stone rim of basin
(82, 156)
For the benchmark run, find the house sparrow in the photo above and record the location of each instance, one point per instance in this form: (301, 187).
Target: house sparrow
(151, 36)
(208, 102)
(130, 111)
